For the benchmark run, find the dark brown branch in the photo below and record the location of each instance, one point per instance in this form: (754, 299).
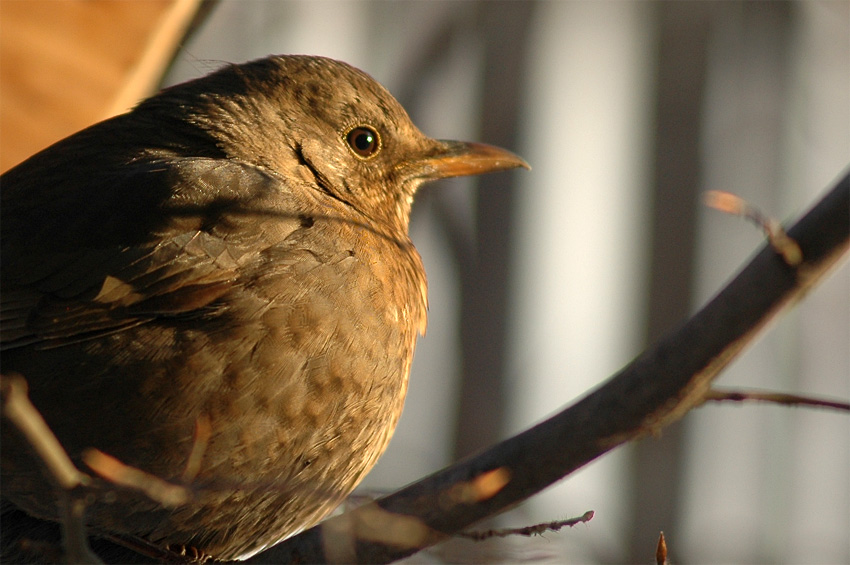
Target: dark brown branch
(656, 389)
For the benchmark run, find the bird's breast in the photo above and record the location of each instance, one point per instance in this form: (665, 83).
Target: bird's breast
(327, 329)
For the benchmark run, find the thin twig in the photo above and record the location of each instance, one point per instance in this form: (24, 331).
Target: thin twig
(721, 395)
(776, 236)
(535, 530)
(167, 494)
(203, 431)
(20, 411)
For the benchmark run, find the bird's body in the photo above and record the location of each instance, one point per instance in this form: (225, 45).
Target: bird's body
(233, 252)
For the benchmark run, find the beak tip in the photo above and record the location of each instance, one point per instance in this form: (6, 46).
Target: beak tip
(459, 158)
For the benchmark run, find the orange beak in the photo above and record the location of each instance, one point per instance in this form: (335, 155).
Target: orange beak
(460, 158)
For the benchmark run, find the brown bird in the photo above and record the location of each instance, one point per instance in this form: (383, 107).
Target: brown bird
(234, 252)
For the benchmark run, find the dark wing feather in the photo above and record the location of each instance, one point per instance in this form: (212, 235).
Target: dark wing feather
(90, 263)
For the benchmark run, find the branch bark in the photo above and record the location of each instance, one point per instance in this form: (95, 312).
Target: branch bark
(657, 388)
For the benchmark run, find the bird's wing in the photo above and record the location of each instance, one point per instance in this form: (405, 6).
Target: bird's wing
(100, 291)
(174, 255)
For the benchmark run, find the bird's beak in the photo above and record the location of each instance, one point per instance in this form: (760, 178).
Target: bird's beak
(460, 158)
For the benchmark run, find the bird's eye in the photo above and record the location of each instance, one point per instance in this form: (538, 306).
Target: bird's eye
(364, 141)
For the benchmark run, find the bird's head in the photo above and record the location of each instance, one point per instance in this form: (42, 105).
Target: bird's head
(331, 125)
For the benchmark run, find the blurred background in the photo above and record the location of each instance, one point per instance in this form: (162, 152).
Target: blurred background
(544, 283)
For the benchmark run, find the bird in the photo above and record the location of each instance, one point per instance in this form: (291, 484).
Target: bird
(232, 252)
